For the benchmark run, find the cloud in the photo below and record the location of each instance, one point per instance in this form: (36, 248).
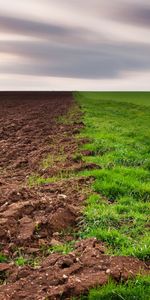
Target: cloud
(88, 40)
(92, 60)
(31, 28)
(138, 15)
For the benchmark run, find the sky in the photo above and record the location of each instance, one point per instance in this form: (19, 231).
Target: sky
(75, 45)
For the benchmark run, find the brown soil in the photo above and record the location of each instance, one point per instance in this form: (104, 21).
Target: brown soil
(34, 218)
(60, 277)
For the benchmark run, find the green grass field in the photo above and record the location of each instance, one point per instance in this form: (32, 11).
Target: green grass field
(138, 98)
(120, 143)
(117, 212)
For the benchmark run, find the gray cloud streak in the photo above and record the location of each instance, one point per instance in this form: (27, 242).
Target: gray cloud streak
(10, 24)
(138, 15)
(94, 60)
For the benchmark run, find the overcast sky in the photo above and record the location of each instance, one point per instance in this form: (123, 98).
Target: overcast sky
(75, 45)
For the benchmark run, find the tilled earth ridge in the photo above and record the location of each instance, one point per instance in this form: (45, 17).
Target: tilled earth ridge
(60, 277)
(33, 218)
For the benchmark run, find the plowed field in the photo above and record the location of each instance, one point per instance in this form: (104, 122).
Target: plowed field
(41, 203)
